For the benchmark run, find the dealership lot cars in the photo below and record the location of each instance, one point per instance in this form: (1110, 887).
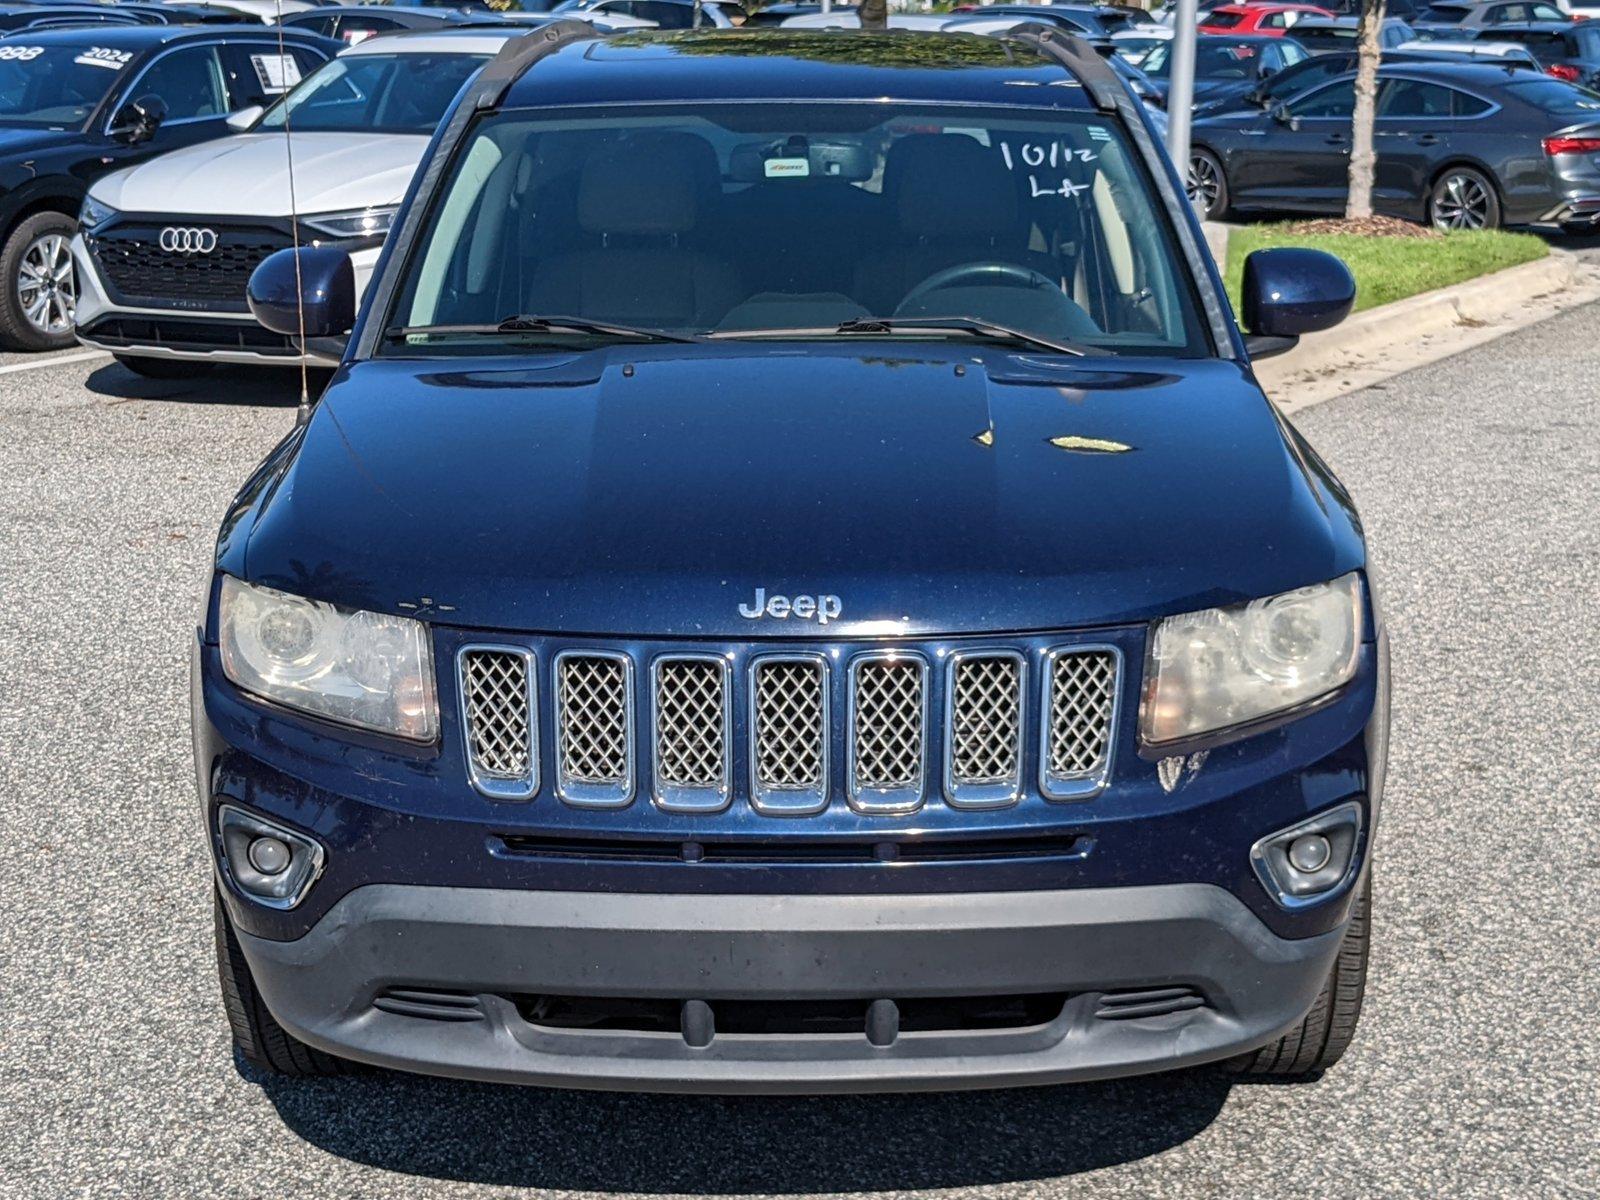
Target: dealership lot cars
(167, 247)
(77, 103)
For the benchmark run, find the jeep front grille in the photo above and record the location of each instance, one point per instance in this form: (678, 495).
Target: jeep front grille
(718, 719)
(983, 727)
(1080, 702)
(692, 720)
(888, 717)
(497, 706)
(789, 720)
(594, 729)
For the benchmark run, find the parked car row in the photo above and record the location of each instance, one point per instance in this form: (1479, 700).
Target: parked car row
(168, 141)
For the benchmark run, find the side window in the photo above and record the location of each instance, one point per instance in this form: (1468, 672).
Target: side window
(1546, 12)
(1464, 104)
(1409, 98)
(189, 82)
(666, 15)
(1275, 20)
(257, 75)
(1335, 100)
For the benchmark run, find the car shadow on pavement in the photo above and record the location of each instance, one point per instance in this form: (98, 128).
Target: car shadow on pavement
(617, 1142)
(249, 386)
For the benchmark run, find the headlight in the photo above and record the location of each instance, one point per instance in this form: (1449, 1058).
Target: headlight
(94, 213)
(1225, 666)
(360, 223)
(362, 668)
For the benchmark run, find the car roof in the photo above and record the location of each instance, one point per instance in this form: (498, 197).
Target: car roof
(795, 64)
(1539, 26)
(472, 40)
(144, 37)
(378, 10)
(1481, 74)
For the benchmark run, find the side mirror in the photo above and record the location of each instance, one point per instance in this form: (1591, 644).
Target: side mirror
(1290, 291)
(1282, 116)
(139, 119)
(244, 118)
(324, 287)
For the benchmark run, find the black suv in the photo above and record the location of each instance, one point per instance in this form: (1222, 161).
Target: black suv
(77, 103)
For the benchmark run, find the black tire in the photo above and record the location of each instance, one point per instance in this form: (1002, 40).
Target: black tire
(1326, 1033)
(1207, 185)
(38, 285)
(262, 1042)
(1463, 198)
(162, 368)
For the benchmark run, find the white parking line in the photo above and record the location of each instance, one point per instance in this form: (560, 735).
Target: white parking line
(55, 360)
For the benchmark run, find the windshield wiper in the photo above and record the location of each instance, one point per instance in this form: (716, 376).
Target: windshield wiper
(523, 323)
(975, 326)
(970, 326)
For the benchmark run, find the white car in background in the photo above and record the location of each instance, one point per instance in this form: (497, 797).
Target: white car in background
(164, 250)
(265, 11)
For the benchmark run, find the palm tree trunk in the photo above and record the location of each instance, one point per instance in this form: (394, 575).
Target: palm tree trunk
(1363, 161)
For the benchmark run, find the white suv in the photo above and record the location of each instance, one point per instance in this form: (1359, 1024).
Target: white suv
(165, 249)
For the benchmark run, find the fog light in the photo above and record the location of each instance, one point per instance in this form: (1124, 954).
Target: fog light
(269, 855)
(268, 862)
(1311, 860)
(1306, 854)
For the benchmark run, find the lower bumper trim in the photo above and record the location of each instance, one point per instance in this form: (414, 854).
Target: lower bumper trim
(1142, 979)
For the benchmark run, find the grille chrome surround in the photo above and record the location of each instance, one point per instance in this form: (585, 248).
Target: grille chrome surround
(1078, 720)
(594, 728)
(691, 722)
(791, 729)
(985, 715)
(498, 690)
(886, 735)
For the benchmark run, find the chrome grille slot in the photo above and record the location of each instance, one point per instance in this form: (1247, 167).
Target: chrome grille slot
(594, 729)
(1080, 700)
(983, 729)
(887, 732)
(497, 708)
(692, 727)
(789, 734)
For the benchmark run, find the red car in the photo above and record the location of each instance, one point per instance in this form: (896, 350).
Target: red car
(1273, 20)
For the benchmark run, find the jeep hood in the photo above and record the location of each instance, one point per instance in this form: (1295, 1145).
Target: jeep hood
(934, 488)
(248, 175)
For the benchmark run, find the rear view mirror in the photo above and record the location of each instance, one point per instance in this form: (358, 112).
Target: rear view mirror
(1291, 291)
(138, 120)
(324, 287)
(244, 118)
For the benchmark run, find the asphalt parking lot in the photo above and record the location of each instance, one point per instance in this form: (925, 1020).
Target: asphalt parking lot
(1476, 1072)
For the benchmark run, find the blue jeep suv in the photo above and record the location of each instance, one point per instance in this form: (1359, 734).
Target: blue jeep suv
(793, 587)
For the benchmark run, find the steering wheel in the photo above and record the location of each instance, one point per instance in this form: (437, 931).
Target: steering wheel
(977, 274)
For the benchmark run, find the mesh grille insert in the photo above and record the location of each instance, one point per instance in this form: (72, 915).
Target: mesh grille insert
(888, 724)
(690, 739)
(986, 719)
(593, 730)
(789, 735)
(495, 686)
(1083, 692)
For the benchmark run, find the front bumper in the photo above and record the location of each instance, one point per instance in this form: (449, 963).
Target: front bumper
(187, 334)
(1210, 979)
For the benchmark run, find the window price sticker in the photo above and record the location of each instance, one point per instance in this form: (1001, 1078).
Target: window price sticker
(277, 73)
(101, 56)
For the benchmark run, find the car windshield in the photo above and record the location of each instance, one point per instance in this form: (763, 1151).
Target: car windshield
(375, 93)
(1213, 59)
(56, 86)
(797, 219)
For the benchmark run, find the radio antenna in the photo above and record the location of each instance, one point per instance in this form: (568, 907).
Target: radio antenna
(303, 413)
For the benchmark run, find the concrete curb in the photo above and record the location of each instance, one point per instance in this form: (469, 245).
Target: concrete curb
(1383, 342)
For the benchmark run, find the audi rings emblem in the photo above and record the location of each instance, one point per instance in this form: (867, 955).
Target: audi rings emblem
(176, 239)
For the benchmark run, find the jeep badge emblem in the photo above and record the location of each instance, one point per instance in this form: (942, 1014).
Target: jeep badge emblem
(820, 609)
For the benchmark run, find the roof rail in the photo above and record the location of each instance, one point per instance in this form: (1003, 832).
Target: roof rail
(1078, 57)
(521, 52)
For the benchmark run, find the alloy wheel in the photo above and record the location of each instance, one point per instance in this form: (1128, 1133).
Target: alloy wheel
(1460, 202)
(47, 285)
(1202, 187)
